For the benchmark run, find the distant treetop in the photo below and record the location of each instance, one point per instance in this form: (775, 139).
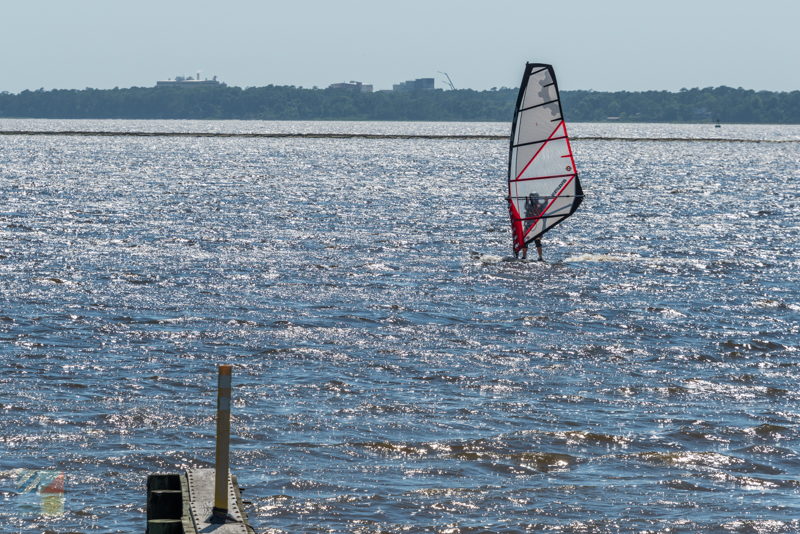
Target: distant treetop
(210, 99)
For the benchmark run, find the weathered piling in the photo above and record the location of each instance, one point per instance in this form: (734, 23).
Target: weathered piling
(201, 500)
(220, 510)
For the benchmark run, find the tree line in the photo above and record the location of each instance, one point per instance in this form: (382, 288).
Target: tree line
(273, 102)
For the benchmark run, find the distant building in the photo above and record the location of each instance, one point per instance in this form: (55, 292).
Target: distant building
(420, 84)
(352, 86)
(187, 82)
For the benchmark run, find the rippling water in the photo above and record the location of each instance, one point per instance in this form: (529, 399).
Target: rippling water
(393, 371)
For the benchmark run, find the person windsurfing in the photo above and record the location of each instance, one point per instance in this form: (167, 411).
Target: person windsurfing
(543, 185)
(534, 206)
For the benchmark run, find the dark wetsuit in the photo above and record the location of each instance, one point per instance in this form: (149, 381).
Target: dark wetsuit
(534, 206)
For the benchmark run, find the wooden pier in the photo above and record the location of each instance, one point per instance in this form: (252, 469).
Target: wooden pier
(182, 504)
(201, 500)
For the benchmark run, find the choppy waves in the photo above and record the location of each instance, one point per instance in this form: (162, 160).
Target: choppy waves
(395, 369)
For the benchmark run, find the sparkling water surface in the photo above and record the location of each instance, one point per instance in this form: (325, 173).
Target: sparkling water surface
(394, 370)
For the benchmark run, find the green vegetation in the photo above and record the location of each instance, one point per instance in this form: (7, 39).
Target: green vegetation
(688, 105)
(295, 103)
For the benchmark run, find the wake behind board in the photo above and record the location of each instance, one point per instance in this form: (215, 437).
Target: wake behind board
(543, 185)
(488, 259)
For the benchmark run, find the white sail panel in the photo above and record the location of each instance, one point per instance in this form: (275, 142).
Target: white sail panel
(537, 124)
(551, 158)
(543, 185)
(539, 87)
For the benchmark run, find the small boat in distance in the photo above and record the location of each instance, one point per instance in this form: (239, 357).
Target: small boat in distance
(543, 185)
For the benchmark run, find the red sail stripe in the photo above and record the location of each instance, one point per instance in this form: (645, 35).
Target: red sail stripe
(540, 149)
(569, 148)
(516, 227)
(544, 177)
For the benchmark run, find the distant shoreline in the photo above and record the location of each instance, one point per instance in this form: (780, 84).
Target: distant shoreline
(689, 106)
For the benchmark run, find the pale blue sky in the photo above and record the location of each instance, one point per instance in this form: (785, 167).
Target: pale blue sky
(601, 45)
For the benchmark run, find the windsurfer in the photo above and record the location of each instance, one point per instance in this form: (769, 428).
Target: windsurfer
(543, 185)
(534, 207)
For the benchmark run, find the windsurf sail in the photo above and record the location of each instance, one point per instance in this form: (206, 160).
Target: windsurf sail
(543, 186)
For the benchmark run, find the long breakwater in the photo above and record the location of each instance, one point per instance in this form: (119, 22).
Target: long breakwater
(326, 135)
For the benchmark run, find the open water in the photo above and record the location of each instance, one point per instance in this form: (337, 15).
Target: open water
(393, 372)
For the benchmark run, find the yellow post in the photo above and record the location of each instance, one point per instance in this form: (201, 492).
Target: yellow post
(220, 511)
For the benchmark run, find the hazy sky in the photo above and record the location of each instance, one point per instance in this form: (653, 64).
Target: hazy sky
(602, 45)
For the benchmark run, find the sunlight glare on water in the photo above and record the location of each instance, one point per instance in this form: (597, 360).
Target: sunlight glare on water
(394, 370)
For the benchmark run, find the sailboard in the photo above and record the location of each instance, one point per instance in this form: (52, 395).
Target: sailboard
(543, 185)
